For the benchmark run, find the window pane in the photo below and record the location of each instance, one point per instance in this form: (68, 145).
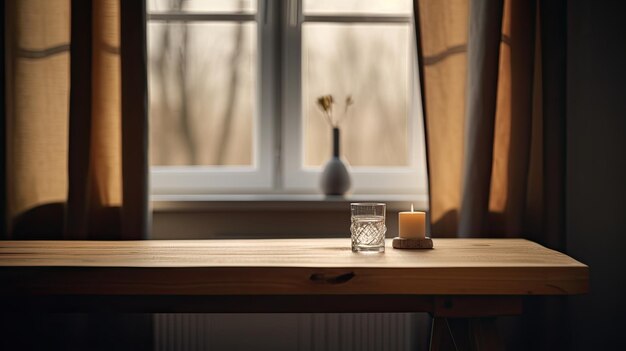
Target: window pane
(202, 93)
(246, 6)
(371, 63)
(387, 7)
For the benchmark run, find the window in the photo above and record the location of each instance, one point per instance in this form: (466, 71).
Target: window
(233, 89)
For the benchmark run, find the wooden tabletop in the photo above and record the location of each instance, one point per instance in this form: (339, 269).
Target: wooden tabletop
(285, 267)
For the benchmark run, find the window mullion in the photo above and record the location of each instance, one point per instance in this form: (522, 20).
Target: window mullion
(356, 19)
(200, 17)
(292, 89)
(266, 87)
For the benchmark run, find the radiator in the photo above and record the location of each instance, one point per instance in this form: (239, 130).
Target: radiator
(302, 332)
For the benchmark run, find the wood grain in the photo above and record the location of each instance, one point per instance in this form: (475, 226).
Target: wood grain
(285, 267)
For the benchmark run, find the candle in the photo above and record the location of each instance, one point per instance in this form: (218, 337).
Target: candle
(412, 225)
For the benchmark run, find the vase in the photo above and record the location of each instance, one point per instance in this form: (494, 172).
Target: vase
(335, 178)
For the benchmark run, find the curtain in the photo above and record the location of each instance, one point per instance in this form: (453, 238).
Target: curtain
(76, 120)
(492, 77)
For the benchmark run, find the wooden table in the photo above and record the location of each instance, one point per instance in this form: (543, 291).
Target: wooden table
(460, 278)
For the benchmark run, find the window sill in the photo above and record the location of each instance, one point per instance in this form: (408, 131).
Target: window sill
(279, 202)
(266, 215)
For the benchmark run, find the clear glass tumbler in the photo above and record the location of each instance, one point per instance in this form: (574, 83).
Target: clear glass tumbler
(368, 227)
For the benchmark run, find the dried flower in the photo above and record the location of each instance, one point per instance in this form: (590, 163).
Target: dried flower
(325, 103)
(349, 101)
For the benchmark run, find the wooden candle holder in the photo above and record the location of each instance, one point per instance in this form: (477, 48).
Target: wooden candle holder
(412, 244)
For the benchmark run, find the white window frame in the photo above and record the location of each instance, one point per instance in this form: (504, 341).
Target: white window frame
(260, 176)
(278, 148)
(365, 180)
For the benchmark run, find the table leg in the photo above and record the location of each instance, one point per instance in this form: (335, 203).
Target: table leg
(461, 334)
(438, 334)
(484, 334)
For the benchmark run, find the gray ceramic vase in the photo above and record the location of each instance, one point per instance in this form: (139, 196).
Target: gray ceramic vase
(335, 178)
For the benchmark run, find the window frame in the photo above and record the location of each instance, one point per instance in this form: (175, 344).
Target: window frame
(278, 148)
(260, 176)
(365, 180)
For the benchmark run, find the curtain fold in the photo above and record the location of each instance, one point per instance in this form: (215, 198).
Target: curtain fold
(3, 197)
(442, 55)
(135, 122)
(76, 119)
(483, 52)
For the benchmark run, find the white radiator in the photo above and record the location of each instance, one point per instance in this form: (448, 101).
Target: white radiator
(301, 332)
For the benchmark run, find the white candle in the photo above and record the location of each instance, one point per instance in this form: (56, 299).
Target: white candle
(412, 225)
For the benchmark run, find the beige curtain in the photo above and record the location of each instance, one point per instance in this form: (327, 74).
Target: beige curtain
(76, 119)
(483, 74)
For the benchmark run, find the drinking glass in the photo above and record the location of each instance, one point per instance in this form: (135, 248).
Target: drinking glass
(368, 227)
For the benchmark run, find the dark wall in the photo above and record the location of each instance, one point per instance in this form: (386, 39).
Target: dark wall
(596, 169)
